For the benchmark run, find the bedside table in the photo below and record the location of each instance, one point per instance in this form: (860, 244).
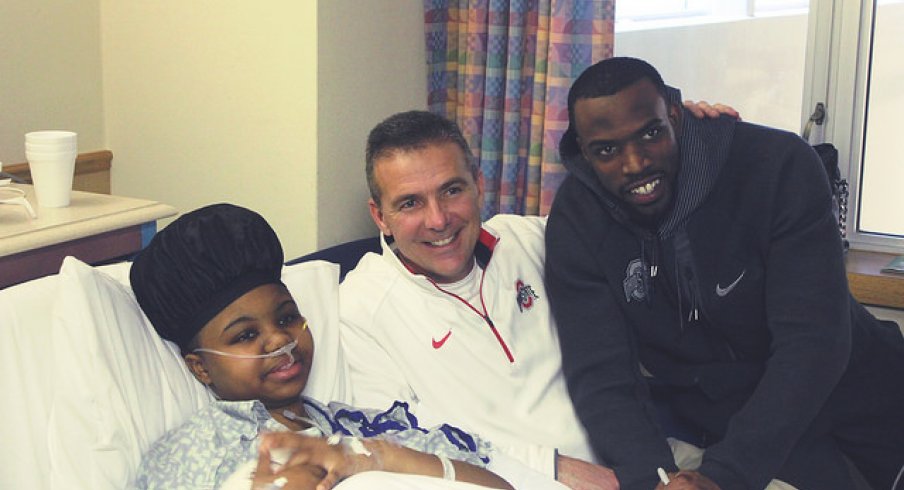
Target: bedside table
(94, 228)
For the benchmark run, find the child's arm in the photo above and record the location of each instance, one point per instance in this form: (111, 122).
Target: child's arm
(343, 460)
(297, 477)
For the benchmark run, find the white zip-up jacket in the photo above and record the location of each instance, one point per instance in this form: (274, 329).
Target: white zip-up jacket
(406, 339)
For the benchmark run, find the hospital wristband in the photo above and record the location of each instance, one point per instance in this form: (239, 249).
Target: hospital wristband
(448, 468)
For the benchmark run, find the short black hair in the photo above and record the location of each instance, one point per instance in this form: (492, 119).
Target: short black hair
(605, 78)
(411, 130)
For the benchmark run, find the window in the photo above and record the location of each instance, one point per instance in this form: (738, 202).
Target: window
(768, 7)
(631, 11)
(869, 71)
(774, 60)
(756, 64)
(880, 179)
(634, 14)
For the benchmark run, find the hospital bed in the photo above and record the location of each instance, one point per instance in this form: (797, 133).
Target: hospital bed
(88, 385)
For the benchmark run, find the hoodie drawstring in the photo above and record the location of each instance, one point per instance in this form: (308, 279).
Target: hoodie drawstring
(650, 265)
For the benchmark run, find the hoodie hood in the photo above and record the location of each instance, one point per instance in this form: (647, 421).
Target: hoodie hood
(703, 149)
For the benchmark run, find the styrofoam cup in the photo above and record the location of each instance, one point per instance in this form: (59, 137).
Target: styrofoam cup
(44, 155)
(51, 146)
(52, 174)
(51, 136)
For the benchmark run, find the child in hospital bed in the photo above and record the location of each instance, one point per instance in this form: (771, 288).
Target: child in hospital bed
(210, 282)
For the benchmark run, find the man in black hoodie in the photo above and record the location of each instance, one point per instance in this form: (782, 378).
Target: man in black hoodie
(698, 262)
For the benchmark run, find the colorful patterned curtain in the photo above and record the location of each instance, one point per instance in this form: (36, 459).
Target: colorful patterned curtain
(501, 69)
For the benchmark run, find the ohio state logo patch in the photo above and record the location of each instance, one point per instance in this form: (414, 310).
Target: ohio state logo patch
(526, 295)
(633, 283)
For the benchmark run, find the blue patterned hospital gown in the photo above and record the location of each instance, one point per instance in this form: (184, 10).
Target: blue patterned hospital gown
(205, 450)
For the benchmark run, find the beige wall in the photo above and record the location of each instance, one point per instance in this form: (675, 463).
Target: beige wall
(266, 105)
(213, 101)
(50, 72)
(370, 65)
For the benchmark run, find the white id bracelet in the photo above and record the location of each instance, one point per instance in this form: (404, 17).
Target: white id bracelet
(353, 444)
(448, 468)
(276, 484)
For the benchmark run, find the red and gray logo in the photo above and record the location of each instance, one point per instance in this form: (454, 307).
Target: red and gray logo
(526, 295)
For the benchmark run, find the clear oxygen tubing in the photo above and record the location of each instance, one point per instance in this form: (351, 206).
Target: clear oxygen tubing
(284, 350)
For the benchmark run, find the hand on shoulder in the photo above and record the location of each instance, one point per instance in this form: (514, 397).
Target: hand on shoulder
(703, 109)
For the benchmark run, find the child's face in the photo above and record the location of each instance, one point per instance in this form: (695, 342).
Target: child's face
(260, 321)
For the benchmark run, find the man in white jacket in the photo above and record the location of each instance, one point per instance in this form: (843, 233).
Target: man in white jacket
(453, 317)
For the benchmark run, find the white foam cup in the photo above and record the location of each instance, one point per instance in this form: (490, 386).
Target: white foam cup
(45, 154)
(51, 136)
(51, 174)
(51, 146)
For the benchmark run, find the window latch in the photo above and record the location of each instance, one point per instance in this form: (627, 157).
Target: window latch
(817, 118)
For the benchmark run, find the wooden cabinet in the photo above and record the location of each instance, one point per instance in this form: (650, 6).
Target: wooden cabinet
(94, 228)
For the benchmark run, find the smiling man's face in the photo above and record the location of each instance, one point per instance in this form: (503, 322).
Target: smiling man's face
(630, 140)
(430, 204)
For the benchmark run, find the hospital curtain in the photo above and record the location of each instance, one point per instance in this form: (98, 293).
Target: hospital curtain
(501, 69)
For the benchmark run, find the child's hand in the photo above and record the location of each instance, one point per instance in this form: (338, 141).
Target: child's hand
(295, 477)
(336, 461)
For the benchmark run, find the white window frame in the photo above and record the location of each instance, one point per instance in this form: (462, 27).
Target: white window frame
(843, 49)
(665, 13)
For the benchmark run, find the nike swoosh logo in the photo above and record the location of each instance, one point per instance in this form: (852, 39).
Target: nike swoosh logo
(439, 343)
(722, 292)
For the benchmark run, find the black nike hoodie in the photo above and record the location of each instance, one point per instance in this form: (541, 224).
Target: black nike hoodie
(736, 309)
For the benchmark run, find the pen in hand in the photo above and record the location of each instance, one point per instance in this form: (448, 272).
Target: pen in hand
(663, 477)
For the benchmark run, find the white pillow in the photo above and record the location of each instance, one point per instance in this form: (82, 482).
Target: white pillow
(315, 287)
(119, 387)
(26, 378)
